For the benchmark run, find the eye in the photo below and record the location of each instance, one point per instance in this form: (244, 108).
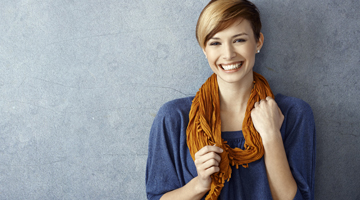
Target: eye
(214, 43)
(239, 40)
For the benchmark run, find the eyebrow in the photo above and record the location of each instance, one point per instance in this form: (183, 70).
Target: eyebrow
(240, 34)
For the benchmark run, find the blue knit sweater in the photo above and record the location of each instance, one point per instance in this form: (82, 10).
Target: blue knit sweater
(170, 166)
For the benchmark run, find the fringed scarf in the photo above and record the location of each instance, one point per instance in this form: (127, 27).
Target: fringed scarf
(204, 128)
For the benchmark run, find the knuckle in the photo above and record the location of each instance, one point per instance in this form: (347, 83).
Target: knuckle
(196, 162)
(214, 162)
(198, 153)
(213, 170)
(253, 112)
(197, 157)
(218, 158)
(206, 148)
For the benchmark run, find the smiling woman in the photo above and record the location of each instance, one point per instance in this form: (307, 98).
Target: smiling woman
(234, 139)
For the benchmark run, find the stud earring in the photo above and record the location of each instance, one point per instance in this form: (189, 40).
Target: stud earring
(258, 51)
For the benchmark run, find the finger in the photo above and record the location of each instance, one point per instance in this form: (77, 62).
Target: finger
(256, 104)
(216, 156)
(206, 167)
(210, 163)
(268, 98)
(209, 171)
(205, 158)
(262, 101)
(212, 170)
(207, 149)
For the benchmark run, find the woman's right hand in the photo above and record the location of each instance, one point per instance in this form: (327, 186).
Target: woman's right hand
(207, 161)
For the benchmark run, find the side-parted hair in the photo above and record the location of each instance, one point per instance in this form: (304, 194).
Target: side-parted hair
(220, 14)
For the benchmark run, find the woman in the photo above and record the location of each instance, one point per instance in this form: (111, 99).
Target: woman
(234, 139)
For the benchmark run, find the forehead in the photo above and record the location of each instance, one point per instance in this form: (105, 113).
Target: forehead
(237, 27)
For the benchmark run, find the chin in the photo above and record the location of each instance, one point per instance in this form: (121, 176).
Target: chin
(236, 77)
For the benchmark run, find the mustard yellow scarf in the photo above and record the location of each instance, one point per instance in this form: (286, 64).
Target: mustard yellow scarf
(204, 128)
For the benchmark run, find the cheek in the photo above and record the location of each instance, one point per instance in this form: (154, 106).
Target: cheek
(249, 52)
(212, 58)
(250, 49)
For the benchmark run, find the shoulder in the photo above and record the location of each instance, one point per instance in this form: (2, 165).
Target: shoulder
(176, 107)
(298, 118)
(297, 113)
(170, 123)
(174, 114)
(293, 105)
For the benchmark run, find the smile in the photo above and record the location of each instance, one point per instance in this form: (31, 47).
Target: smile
(231, 66)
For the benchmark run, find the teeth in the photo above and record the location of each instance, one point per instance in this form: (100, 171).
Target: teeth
(230, 67)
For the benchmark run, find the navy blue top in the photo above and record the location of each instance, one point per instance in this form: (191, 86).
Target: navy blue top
(170, 166)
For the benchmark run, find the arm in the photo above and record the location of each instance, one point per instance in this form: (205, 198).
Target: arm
(189, 191)
(281, 181)
(267, 119)
(206, 161)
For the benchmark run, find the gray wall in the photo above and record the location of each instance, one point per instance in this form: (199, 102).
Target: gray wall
(81, 82)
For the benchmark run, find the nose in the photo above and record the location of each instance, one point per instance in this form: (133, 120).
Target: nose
(228, 52)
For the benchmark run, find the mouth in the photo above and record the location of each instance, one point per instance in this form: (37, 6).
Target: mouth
(233, 66)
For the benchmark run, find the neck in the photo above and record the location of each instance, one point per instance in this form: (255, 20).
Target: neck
(234, 96)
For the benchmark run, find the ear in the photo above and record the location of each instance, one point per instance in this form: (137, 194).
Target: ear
(260, 43)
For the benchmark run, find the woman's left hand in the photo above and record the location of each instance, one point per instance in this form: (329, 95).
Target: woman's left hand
(267, 118)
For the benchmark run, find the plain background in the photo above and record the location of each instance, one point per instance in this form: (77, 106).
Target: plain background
(81, 82)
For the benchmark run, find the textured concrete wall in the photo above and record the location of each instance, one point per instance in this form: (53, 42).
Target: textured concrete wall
(81, 82)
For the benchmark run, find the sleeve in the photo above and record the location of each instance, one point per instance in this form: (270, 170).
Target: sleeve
(300, 146)
(161, 169)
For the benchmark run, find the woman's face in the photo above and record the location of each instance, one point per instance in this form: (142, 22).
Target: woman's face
(231, 52)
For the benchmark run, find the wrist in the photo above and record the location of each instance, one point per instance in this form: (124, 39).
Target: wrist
(198, 187)
(272, 138)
